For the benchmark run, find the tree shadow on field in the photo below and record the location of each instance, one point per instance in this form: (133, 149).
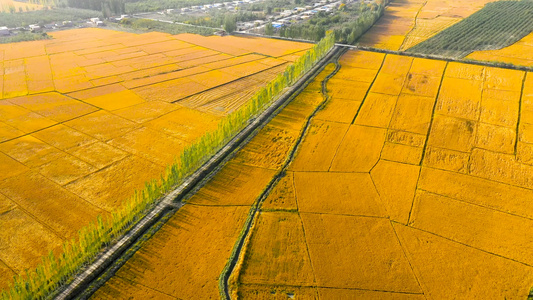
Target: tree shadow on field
(224, 185)
(123, 288)
(183, 219)
(161, 242)
(159, 255)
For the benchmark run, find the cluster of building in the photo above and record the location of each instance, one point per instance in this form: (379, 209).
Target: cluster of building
(6, 31)
(288, 17)
(230, 5)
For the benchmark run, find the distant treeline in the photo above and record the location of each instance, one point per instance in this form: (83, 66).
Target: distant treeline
(151, 25)
(41, 17)
(134, 6)
(108, 7)
(497, 25)
(353, 31)
(24, 37)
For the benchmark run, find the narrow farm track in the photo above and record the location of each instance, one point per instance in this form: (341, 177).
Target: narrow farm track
(416, 24)
(113, 258)
(256, 208)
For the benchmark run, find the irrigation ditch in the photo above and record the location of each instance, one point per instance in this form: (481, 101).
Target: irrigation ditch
(111, 259)
(239, 248)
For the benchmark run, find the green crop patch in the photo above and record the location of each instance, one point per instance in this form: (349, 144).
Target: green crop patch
(497, 25)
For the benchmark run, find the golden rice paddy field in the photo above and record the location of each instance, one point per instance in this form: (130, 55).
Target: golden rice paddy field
(89, 116)
(519, 53)
(413, 182)
(406, 23)
(422, 182)
(185, 258)
(9, 5)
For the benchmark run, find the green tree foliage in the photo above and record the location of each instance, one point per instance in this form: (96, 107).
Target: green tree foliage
(347, 29)
(56, 270)
(113, 7)
(497, 25)
(283, 32)
(24, 37)
(230, 24)
(313, 33)
(269, 29)
(44, 17)
(369, 15)
(215, 18)
(134, 6)
(108, 7)
(151, 25)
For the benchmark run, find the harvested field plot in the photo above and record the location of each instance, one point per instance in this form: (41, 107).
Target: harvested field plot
(88, 117)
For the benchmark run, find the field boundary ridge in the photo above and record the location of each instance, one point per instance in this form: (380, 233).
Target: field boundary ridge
(501, 65)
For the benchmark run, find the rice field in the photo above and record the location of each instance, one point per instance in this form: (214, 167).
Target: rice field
(417, 178)
(420, 185)
(497, 25)
(415, 175)
(10, 6)
(406, 23)
(436, 16)
(188, 249)
(88, 117)
(519, 53)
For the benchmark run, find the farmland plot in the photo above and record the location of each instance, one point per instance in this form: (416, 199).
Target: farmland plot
(224, 201)
(497, 25)
(12, 6)
(519, 53)
(406, 23)
(424, 184)
(88, 117)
